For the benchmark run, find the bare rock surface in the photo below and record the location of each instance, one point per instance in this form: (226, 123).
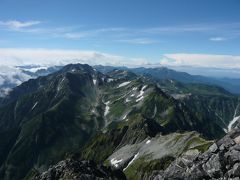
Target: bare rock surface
(80, 170)
(221, 161)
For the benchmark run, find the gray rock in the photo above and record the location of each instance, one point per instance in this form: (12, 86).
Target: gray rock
(87, 170)
(221, 161)
(232, 157)
(213, 167)
(236, 170)
(175, 171)
(236, 178)
(236, 147)
(213, 148)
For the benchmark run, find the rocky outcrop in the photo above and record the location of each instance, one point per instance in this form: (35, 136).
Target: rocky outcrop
(76, 170)
(221, 161)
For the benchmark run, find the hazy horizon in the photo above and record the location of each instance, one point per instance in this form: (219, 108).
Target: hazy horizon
(196, 37)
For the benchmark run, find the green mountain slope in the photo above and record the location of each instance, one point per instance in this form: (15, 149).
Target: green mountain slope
(209, 103)
(49, 119)
(80, 111)
(162, 73)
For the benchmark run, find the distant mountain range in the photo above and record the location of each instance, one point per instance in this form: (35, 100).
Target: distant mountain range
(131, 122)
(230, 84)
(12, 76)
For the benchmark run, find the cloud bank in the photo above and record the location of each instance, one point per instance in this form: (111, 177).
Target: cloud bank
(49, 57)
(201, 64)
(202, 60)
(46, 57)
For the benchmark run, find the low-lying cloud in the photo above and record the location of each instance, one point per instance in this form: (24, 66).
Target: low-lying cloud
(201, 60)
(47, 57)
(50, 57)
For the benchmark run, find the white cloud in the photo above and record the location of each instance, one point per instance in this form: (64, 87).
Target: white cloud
(75, 36)
(9, 78)
(180, 29)
(217, 39)
(47, 57)
(16, 25)
(228, 29)
(68, 32)
(201, 60)
(125, 34)
(141, 41)
(12, 75)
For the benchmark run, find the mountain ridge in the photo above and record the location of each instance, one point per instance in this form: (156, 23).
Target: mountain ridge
(162, 73)
(78, 110)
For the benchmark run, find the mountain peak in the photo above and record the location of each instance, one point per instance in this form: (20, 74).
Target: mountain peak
(122, 74)
(77, 68)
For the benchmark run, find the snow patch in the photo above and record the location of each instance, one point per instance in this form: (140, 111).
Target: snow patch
(225, 130)
(34, 105)
(235, 118)
(140, 96)
(155, 111)
(115, 162)
(109, 80)
(125, 116)
(60, 84)
(134, 158)
(107, 108)
(232, 122)
(132, 95)
(62, 80)
(94, 81)
(148, 141)
(142, 91)
(127, 100)
(139, 99)
(124, 84)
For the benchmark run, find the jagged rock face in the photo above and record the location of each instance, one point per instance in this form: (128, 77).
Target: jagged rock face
(87, 170)
(79, 110)
(207, 103)
(221, 161)
(43, 119)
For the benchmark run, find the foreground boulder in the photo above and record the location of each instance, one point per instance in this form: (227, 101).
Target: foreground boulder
(221, 161)
(76, 170)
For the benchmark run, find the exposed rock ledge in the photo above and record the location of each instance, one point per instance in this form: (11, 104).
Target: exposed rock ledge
(221, 161)
(80, 170)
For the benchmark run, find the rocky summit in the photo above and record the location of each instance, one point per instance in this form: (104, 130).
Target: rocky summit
(135, 125)
(221, 161)
(86, 170)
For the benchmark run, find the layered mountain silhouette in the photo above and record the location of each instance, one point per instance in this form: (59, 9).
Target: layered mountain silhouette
(130, 122)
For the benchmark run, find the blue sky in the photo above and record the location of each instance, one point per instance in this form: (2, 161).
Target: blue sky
(151, 31)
